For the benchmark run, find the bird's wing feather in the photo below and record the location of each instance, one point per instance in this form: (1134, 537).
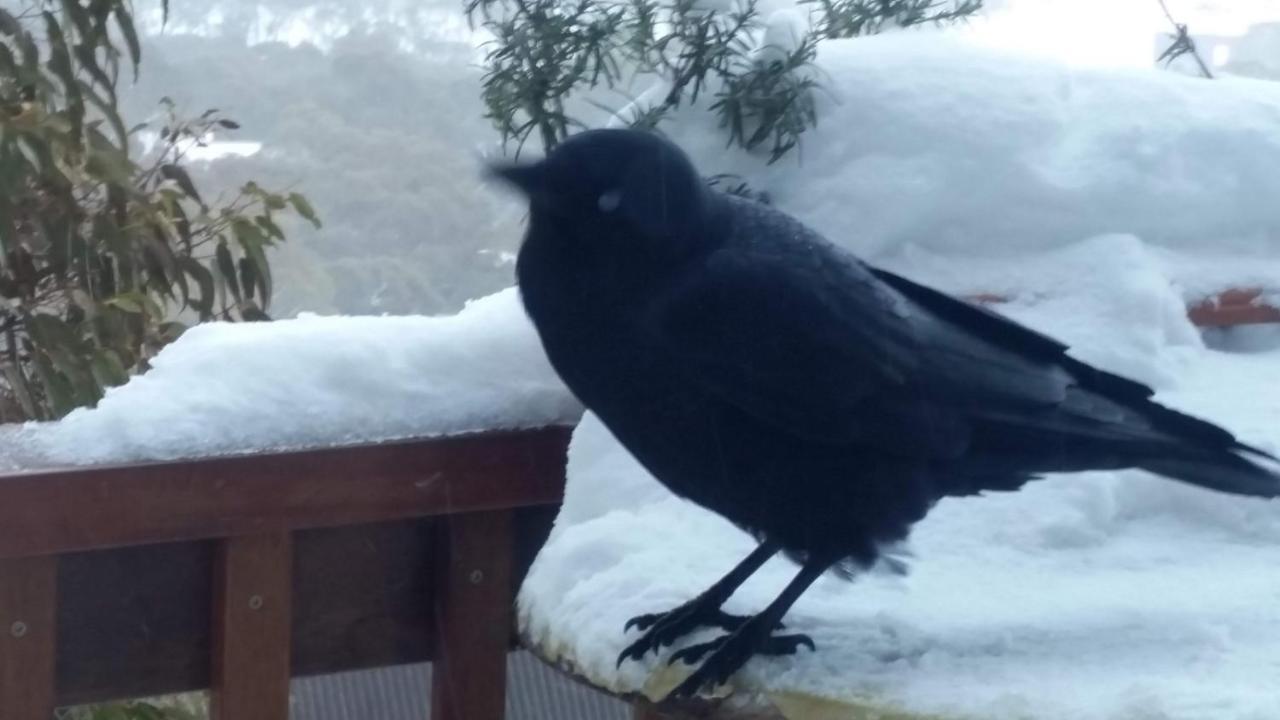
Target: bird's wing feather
(805, 337)
(799, 341)
(1095, 403)
(810, 340)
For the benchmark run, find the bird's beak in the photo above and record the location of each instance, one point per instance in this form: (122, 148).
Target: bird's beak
(527, 178)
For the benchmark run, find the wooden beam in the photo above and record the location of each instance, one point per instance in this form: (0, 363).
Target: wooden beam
(28, 638)
(251, 628)
(134, 622)
(472, 610)
(58, 511)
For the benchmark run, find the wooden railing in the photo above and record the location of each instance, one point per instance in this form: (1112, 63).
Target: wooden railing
(237, 573)
(1246, 306)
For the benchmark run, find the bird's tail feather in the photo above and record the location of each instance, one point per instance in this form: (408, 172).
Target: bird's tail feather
(1224, 471)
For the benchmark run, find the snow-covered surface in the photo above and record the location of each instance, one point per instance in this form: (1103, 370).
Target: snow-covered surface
(314, 381)
(1100, 202)
(925, 143)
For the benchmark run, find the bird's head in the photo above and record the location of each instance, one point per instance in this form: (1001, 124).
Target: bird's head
(624, 185)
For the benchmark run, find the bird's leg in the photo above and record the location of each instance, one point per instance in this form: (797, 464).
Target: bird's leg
(662, 629)
(755, 637)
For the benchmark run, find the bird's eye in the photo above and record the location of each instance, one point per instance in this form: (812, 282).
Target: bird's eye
(609, 201)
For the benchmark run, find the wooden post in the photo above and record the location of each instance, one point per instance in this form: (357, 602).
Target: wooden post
(28, 637)
(252, 608)
(472, 616)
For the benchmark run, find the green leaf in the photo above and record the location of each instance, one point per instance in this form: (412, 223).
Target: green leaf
(170, 331)
(203, 304)
(50, 331)
(303, 208)
(247, 277)
(269, 227)
(111, 166)
(69, 375)
(80, 19)
(107, 107)
(60, 64)
(183, 225)
(227, 269)
(250, 312)
(136, 303)
(30, 55)
(252, 241)
(129, 302)
(125, 21)
(9, 25)
(107, 368)
(164, 263)
(8, 236)
(8, 63)
(179, 175)
(56, 387)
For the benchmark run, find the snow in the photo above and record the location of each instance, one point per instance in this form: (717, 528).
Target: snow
(924, 142)
(315, 381)
(1099, 204)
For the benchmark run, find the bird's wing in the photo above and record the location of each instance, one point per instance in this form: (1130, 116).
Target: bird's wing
(799, 340)
(1088, 402)
(810, 340)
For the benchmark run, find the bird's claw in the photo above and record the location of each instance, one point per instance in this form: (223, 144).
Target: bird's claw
(728, 654)
(775, 645)
(718, 618)
(663, 629)
(643, 622)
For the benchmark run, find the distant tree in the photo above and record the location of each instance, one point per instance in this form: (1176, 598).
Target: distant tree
(546, 52)
(421, 234)
(104, 260)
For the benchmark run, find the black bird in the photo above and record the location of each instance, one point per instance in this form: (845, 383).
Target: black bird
(819, 403)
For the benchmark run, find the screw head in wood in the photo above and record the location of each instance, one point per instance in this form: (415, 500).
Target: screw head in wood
(255, 602)
(476, 577)
(18, 629)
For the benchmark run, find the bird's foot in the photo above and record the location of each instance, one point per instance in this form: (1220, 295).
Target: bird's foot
(663, 629)
(729, 653)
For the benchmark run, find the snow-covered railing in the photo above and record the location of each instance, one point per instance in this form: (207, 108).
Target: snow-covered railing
(237, 573)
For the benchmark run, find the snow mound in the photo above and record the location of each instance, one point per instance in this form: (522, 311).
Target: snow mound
(1097, 203)
(923, 141)
(315, 381)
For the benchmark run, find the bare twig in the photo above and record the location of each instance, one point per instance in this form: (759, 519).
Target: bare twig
(1182, 44)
